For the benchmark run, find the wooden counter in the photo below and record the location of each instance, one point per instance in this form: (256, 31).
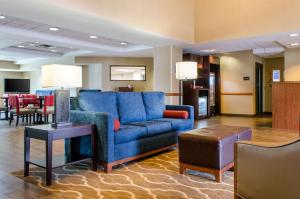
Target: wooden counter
(286, 105)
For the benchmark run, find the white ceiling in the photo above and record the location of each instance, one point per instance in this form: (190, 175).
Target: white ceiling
(16, 32)
(266, 42)
(26, 24)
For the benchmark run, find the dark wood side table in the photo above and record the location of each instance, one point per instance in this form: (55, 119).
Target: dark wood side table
(49, 134)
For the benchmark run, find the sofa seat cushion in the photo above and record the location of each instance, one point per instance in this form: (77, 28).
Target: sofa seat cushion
(131, 107)
(99, 102)
(154, 104)
(154, 127)
(23, 111)
(178, 124)
(128, 133)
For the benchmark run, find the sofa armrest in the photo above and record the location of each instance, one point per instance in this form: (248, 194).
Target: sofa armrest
(105, 136)
(266, 170)
(189, 109)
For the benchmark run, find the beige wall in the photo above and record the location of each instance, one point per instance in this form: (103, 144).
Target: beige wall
(170, 18)
(270, 64)
(9, 65)
(229, 19)
(104, 76)
(234, 66)
(292, 64)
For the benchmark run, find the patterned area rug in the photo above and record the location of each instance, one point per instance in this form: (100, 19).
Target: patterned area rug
(154, 177)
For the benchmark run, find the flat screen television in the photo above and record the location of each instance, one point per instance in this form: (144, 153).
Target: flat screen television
(16, 85)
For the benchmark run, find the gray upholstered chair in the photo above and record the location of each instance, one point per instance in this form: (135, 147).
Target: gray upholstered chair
(267, 171)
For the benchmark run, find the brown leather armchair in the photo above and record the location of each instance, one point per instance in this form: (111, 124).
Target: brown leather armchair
(267, 171)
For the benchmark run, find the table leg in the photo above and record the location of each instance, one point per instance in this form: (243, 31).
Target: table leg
(94, 147)
(26, 153)
(49, 161)
(41, 103)
(6, 112)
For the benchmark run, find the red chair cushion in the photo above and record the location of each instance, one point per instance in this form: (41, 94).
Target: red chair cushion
(176, 114)
(116, 125)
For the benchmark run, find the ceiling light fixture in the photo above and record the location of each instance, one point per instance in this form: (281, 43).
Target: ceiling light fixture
(294, 35)
(209, 50)
(2, 17)
(54, 29)
(93, 37)
(21, 46)
(125, 70)
(295, 44)
(123, 43)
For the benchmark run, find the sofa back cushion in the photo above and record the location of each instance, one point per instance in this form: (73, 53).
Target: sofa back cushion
(154, 104)
(99, 102)
(131, 107)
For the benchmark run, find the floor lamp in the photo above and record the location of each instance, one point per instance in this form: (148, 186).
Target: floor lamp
(185, 71)
(63, 77)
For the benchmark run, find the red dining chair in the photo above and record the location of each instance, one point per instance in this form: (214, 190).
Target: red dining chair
(14, 108)
(48, 109)
(29, 99)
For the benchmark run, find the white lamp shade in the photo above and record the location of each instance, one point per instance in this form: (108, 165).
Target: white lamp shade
(186, 70)
(65, 76)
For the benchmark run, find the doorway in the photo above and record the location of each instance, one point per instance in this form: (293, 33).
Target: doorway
(259, 88)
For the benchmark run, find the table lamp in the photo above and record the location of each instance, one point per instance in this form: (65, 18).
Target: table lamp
(62, 77)
(185, 71)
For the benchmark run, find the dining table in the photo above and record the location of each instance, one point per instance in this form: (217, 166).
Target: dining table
(41, 100)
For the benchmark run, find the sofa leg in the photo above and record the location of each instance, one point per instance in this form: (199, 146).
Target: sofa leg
(107, 167)
(218, 176)
(236, 196)
(181, 169)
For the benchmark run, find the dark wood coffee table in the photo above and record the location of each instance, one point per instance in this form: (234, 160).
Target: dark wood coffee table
(50, 134)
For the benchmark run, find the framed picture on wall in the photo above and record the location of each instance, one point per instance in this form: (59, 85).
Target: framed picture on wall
(276, 75)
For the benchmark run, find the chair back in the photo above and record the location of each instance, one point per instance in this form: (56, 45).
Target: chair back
(13, 101)
(49, 101)
(29, 99)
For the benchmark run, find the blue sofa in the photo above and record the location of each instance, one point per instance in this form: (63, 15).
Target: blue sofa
(143, 130)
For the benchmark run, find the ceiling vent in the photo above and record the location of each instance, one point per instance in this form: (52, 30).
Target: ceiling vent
(46, 46)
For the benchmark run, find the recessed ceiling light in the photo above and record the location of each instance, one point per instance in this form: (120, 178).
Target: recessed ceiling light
(54, 51)
(209, 50)
(123, 43)
(294, 35)
(21, 46)
(31, 44)
(295, 44)
(2, 17)
(93, 37)
(54, 29)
